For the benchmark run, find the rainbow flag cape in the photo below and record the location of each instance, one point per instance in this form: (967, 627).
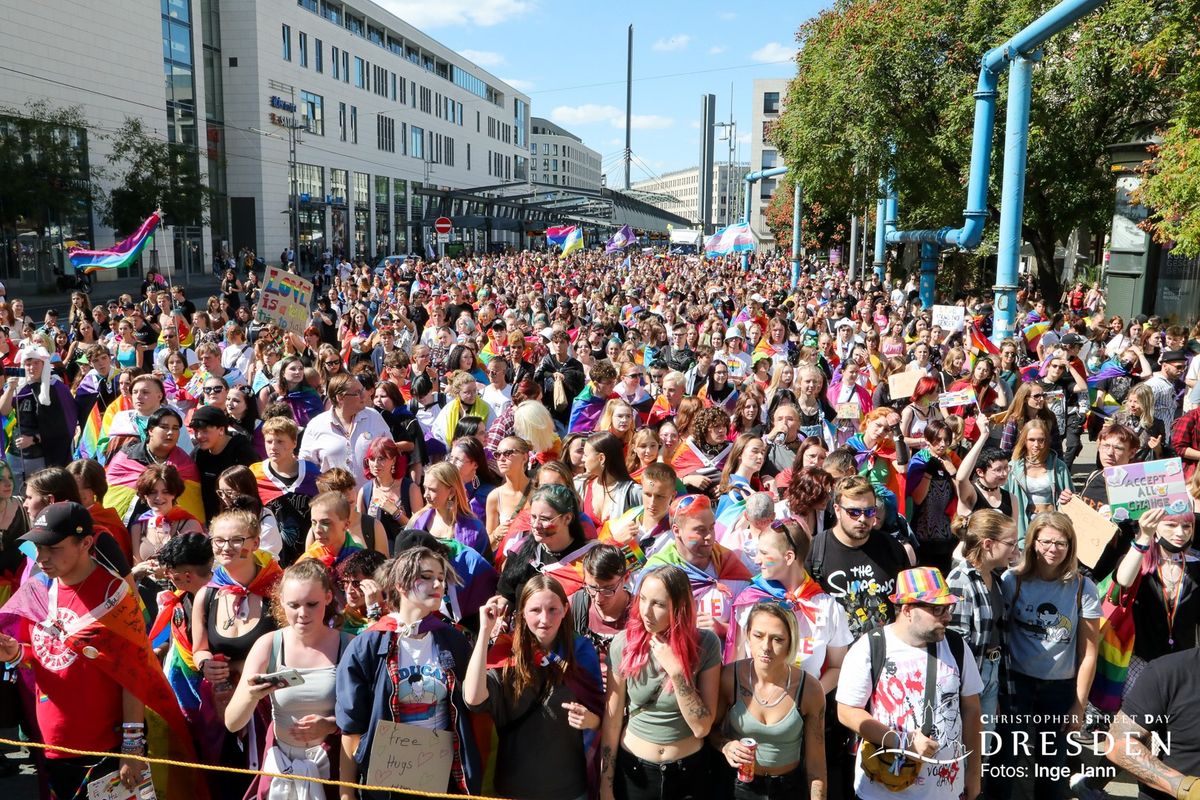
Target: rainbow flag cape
(728, 566)
(569, 571)
(586, 410)
(760, 590)
(1109, 369)
(119, 255)
(178, 666)
(765, 350)
(690, 459)
(93, 439)
(1033, 333)
(123, 472)
(116, 643)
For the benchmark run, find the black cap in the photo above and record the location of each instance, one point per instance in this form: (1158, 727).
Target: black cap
(209, 417)
(1173, 357)
(1071, 340)
(57, 522)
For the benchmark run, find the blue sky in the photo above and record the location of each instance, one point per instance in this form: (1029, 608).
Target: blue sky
(570, 58)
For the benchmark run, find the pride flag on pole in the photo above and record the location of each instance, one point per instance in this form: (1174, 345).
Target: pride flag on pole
(119, 255)
(731, 239)
(574, 241)
(620, 240)
(559, 234)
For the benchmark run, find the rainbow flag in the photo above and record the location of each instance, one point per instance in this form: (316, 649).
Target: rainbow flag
(574, 241)
(6, 431)
(981, 343)
(122, 472)
(178, 666)
(569, 571)
(1033, 333)
(119, 255)
(586, 410)
(93, 440)
(764, 349)
(559, 234)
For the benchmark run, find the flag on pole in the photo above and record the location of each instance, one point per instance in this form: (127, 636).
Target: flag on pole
(574, 241)
(731, 239)
(120, 255)
(620, 240)
(558, 234)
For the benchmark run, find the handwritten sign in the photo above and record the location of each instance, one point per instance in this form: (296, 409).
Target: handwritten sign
(285, 300)
(904, 383)
(949, 318)
(849, 411)
(1093, 531)
(1134, 489)
(409, 757)
(109, 787)
(962, 397)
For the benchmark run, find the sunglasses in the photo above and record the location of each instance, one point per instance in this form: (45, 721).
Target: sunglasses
(858, 513)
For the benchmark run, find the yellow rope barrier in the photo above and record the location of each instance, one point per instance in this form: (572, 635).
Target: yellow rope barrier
(167, 762)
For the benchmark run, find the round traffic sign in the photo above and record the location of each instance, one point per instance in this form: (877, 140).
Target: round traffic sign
(443, 225)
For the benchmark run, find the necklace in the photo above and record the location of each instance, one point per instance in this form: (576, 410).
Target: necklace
(785, 692)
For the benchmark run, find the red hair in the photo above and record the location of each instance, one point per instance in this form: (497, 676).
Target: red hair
(383, 446)
(927, 385)
(682, 636)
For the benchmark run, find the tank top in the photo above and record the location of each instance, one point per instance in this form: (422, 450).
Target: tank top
(779, 744)
(315, 696)
(235, 647)
(1005, 506)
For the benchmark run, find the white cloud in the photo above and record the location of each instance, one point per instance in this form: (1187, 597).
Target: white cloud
(447, 13)
(728, 15)
(592, 114)
(773, 51)
(519, 84)
(694, 124)
(717, 49)
(676, 42)
(484, 58)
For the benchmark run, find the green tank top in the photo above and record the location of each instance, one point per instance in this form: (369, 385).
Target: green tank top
(779, 744)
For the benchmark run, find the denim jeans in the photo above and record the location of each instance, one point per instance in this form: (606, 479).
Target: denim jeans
(1036, 704)
(989, 672)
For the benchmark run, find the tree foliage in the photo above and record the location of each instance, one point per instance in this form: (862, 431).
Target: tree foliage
(154, 174)
(44, 170)
(889, 86)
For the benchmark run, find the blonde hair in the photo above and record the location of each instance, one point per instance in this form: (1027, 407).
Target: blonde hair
(606, 422)
(1019, 448)
(533, 423)
(447, 475)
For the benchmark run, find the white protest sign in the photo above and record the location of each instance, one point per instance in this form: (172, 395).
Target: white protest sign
(950, 318)
(962, 397)
(409, 757)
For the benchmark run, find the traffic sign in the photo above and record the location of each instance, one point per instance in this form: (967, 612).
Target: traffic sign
(443, 225)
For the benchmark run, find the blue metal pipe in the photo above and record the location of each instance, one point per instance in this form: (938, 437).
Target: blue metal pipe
(880, 262)
(992, 65)
(751, 179)
(1012, 199)
(796, 199)
(929, 264)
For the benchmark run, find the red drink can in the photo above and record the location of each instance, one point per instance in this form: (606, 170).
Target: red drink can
(746, 771)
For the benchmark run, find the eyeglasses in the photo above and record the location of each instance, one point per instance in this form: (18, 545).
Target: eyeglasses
(506, 454)
(331, 363)
(213, 389)
(1005, 542)
(857, 513)
(1038, 396)
(543, 521)
(1054, 544)
(937, 611)
(349, 583)
(602, 591)
(235, 543)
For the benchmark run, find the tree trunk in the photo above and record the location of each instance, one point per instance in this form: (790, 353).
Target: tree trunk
(1042, 243)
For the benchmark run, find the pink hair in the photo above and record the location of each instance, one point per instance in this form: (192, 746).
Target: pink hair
(682, 636)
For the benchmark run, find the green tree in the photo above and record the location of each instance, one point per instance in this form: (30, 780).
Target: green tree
(44, 170)
(873, 76)
(154, 173)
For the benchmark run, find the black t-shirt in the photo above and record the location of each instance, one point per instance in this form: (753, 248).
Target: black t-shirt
(1165, 700)
(861, 579)
(238, 451)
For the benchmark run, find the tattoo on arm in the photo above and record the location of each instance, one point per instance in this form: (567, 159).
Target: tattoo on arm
(1138, 759)
(686, 693)
(607, 765)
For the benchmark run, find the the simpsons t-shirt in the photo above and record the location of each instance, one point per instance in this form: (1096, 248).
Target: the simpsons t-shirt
(422, 692)
(861, 578)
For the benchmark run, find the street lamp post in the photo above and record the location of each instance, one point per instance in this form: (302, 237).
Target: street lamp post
(730, 135)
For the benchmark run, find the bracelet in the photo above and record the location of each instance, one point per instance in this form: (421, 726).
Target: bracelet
(1141, 548)
(374, 612)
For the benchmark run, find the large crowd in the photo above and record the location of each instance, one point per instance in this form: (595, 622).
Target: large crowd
(655, 529)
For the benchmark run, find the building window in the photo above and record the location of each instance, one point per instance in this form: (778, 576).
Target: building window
(768, 159)
(385, 131)
(331, 11)
(287, 42)
(303, 49)
(770, 102)
(342, 121)
(354, 124)
(416, 142)
(311, 5)
(360, 78)
(337, 70)
(318, 56)
(313, 108)
(345, 66)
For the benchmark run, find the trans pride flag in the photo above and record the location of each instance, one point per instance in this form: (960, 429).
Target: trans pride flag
(119, 255)
(731, 239)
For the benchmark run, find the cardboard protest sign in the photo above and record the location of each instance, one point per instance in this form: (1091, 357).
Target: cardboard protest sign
(849, 411)
(409, 757)
(1134, 489)
(901, 384)
(1093, 531)
(962, 397)
(285, 300)
(950, 318)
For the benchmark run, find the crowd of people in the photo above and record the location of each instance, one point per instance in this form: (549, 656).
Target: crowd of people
(666, 529)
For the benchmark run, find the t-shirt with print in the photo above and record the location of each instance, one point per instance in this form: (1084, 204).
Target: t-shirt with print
(861, 578)
(654, 714)
(898, 699)
(1044, 619)
(65, 678)
(1165, 700)
(422, 691)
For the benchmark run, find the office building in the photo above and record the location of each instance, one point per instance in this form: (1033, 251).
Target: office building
(559, 157)
(768, 103)
(679, 193)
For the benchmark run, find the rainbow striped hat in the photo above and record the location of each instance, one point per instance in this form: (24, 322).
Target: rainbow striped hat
(923, 585)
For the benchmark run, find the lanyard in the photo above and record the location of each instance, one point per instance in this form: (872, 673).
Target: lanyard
(56, 629)
(1172, 605)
